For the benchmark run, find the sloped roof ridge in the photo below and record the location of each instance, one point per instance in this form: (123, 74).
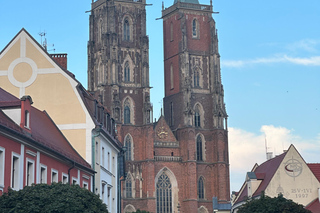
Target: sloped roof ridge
(272, 160)
(315, 169)
(271, 166)
(69, 73)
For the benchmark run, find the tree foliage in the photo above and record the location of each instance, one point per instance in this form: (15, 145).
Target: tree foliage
(272, 205)
(141, 211)
(56, 197)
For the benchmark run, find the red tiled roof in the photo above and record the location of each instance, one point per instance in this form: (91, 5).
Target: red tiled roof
(268, 168)
(314, 206)
(315, 168)
(43, 131)
(8, 100)
(265, 173)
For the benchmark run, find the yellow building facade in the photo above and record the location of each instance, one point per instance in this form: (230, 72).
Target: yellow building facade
(27, 69)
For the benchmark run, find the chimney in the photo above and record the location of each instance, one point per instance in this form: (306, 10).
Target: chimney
(61, 59)
(26, 102)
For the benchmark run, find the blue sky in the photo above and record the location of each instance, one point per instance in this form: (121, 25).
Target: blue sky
(270, 56)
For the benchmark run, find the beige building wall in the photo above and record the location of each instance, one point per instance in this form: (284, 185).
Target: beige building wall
(294, 180)
(25, 69)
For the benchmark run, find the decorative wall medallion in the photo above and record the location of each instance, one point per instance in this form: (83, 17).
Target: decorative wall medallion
(162, 133)
(293, 168)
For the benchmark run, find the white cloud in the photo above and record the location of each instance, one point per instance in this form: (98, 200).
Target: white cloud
(309, 45)
(247, 148)
(311, 61)
(308, 61)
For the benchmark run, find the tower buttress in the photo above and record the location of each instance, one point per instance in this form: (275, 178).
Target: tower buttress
(118, 59)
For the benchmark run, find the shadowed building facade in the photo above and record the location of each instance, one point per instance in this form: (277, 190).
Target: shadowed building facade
(179, 163)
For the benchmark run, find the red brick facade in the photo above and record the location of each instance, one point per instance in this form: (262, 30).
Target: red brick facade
(188, 145)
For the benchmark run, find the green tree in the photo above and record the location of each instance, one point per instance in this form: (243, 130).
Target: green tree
(272, 205)
(140, 211)
(56, 197)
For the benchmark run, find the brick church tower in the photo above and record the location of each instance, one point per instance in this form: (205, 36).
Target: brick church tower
(118, 59)
(179, 163)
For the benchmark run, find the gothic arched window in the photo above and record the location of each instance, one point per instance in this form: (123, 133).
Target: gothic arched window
(127, 144)
(201, 188)
(128, 187)
(199, 149)
(194, 28)
(126, 72)
(196, 78)
(164, 194)
(126, 115)
(171, 31)
(171, 77)
(197, 117)
(126, 30)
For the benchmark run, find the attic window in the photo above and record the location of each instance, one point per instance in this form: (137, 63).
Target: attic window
(27, 119)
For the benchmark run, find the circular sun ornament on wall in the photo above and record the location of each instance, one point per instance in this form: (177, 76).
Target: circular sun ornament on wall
(162, 133)
(293, 167)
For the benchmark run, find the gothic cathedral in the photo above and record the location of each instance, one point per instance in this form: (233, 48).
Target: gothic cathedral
(179, 163)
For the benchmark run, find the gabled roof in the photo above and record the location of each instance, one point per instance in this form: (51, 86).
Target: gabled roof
(43, 50)
(314, 206)
(264, 172)
(315, 168)
(163, 132)
(8, 100)
(90, 103)
(45, 134)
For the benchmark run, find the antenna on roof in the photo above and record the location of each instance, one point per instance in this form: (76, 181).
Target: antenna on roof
(269, 155)
(44, 43)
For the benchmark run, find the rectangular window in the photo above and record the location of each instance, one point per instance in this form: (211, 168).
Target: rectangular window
(27, 119)
(85, 185)
(102, 192)
(74, 181)
(29, 172)
(105, 120)
(54, 176)
(64, 178)
(97, 153)
(113, 166)
(43, 174)
(15, 168)
(102, 160)
(108, 166)
(2, 154)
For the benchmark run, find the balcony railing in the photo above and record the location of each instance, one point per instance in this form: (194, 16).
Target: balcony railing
(166, 144)
(167, 158)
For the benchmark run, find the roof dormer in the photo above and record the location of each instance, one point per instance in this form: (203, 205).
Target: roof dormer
(26, 102)
(253, 181)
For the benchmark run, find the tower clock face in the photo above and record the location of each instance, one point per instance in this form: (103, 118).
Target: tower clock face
(162, 133)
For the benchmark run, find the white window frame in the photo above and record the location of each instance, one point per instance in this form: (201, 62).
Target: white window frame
(64, 178)
(54, 177)
(27, 119)
(108, 166)
(2, 166)
(30, 177)
(85, 185)
(43, 177)
(102, 158)
(103, 191)
(97, 152)
(75, 181)
(16, 185)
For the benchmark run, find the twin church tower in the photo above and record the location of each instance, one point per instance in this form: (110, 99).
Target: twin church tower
(179, 163)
